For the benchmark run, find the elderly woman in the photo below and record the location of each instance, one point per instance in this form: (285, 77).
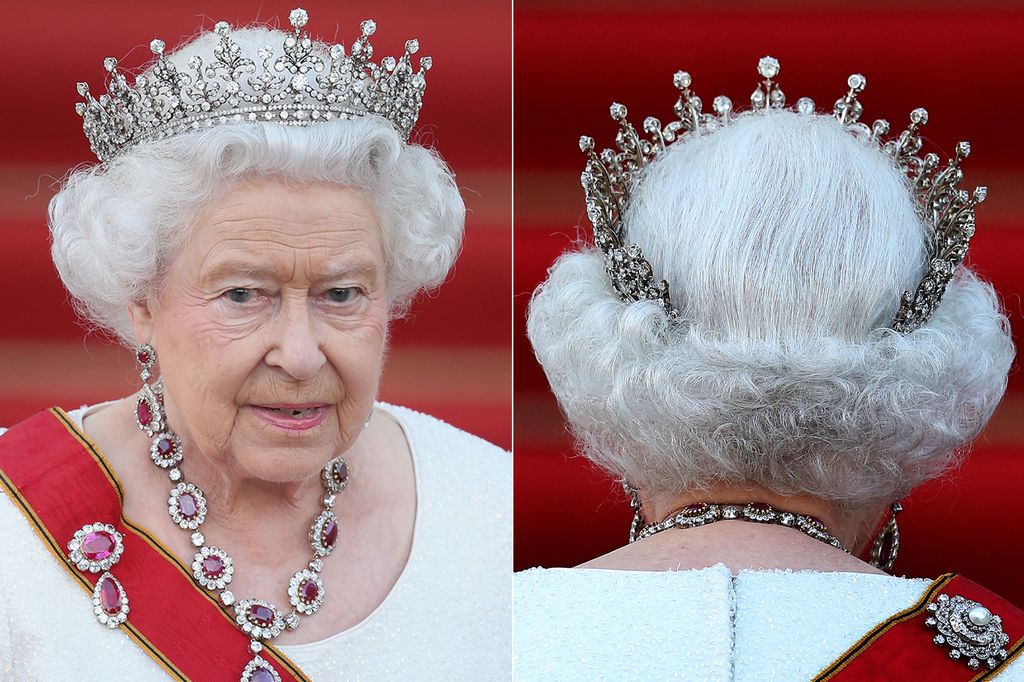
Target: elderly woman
(256, 221)
(738, 349)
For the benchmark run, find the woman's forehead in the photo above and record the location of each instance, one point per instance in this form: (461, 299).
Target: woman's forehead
(276, 202)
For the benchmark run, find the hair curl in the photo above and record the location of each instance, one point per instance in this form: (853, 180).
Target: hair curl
(786, 243)
(116, 227)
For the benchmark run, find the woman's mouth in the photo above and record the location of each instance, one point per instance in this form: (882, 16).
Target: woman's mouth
(292, 417)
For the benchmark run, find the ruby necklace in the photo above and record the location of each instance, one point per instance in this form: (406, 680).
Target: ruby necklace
(212, 567)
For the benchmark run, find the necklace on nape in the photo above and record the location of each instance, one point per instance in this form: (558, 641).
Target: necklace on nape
(212, 567)
(703, 513)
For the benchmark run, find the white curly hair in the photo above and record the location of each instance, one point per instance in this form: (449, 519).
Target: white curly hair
(786, 243)
(115, 227)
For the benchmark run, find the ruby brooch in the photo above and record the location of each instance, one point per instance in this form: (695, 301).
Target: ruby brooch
(96, 547)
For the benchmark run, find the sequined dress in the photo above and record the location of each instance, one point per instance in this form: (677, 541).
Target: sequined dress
(705, 625)
(448, 617)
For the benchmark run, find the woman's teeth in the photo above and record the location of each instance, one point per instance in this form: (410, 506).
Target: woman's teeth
(295, 414)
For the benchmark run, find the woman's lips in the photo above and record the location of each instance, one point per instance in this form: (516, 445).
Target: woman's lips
(299, 417)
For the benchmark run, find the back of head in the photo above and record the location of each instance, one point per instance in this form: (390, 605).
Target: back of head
(786, 243)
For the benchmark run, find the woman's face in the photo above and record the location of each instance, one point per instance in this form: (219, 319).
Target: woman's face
(270, 327)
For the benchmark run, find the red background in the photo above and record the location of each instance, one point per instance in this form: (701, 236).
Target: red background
(451, 358)
(961, 64)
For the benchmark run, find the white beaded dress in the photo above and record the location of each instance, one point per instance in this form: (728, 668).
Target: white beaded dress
(448, 617)
(705, 625)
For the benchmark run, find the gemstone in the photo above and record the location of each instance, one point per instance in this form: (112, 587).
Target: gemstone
(330, 533)
(144, 413)
(298, 17)
(309, 591)
(857, 82)
(681, 80)
(805, 105)
(157, 46)
(979, 615)
(187, 505)
(165, 447)
(213, 566)
(412, 46)
(110, 597)
(340, 471)
(368, 27)
(768, 67)
(426, 63)
(261, 615)
(98, 545)
(262, 675)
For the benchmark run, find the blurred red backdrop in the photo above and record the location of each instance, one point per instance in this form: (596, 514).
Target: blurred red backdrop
(450, 358)
(958, 60)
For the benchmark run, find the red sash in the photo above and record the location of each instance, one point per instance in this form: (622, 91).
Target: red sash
(901, 647)
(60, 481)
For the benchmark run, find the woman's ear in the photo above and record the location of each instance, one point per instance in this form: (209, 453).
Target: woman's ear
(141, 315)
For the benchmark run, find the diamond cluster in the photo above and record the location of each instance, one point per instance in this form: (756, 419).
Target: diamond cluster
(970, 631)
(298, 82)
(610, 177)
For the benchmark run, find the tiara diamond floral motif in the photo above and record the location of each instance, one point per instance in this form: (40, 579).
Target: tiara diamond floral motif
(297, 83)
(611, 175)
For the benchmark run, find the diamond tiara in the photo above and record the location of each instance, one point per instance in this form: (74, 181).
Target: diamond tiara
(610, 177)
(296, 83)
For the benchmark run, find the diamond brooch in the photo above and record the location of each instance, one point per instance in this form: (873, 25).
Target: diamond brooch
(970, 631)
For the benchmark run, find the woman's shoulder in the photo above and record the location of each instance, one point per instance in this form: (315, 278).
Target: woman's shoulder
(430, 434)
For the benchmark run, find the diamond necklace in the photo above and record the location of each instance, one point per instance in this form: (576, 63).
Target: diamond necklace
(703, 513)
(212, 567)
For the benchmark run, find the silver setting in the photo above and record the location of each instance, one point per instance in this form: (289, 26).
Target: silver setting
(760, 512)
(316, 533)
(174, 506)
(883, 557)
(111, 620)
(77, 555)
(702, 513)
(254, 629)
(969, 630)
(150, 398)
(610, 177)
(295, 595)
(297, 82)
(255, 664)
(174, 454)
(212, 582)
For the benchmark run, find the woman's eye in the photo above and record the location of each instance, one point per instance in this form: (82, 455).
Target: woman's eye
(341, 294)
(240, 295)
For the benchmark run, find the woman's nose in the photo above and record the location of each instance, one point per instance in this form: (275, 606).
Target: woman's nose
(295, 347)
